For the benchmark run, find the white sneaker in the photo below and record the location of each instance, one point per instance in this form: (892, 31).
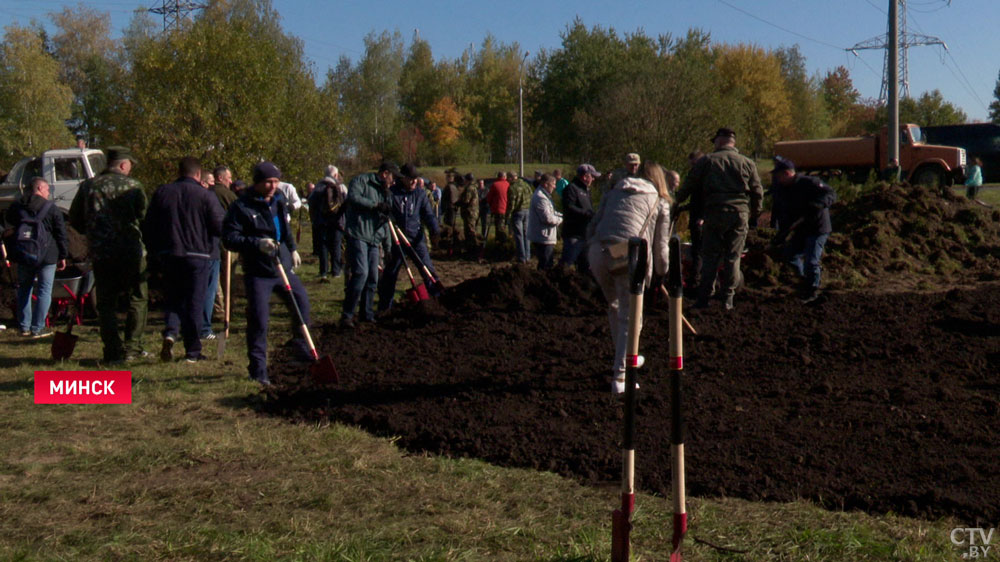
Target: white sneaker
(618, 386)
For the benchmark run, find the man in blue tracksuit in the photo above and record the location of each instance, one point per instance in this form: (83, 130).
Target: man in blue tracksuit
(181, 227)
(411, 209)
(367, 227)
(256, 226)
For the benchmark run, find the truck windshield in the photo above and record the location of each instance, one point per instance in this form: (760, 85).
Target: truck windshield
(917, 134)
(97, 162)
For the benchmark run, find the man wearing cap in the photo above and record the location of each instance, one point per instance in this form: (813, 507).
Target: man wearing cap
(577, 212)
(411, 210)
(367, 218)
(109, 210)
(256, 226)
(182, 230)
(730, 190)
(802, 214)
(630, 170)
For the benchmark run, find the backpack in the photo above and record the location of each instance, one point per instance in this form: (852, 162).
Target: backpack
(32, 239)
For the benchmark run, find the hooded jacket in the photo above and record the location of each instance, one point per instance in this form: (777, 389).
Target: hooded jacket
(543, 218)
(248, 220)
(622, 213)
(363, 221)
(577, 209)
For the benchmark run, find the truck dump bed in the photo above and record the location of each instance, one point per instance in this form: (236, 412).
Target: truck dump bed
(852, 152)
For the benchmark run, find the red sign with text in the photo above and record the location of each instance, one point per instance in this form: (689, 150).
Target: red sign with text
(83, 387)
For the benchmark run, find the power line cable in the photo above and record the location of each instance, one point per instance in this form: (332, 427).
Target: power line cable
(774, 25)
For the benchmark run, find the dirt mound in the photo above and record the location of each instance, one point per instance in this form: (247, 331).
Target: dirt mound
(523, 287)
(862, 402)
(897, 235)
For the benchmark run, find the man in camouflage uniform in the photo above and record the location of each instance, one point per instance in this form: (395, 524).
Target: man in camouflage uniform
(468, 202)
(730, 190)
(110, 209)
(518, 204)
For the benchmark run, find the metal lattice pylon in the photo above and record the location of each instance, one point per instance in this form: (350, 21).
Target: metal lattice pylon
(175, 11)
(906, 40)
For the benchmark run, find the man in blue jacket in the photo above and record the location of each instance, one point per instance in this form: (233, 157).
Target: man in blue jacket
(367, 218)
(411, 209)
(181, 227)
(802, 214)
(256, 226)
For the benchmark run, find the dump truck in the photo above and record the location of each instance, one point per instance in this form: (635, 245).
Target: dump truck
(857, 157)
(63, 169)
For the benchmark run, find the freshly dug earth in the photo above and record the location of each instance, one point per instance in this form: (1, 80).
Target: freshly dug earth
(862, 401)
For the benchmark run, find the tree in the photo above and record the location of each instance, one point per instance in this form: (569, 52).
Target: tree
(90, 63)
(809, 117)
(848, 112)
(995, 104)
(752, 77)
(232, 88)
(928, 110)
(34, 103)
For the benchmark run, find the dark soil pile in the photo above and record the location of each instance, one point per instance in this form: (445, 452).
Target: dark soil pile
(898, 233)
(878, 403)
(524, 287)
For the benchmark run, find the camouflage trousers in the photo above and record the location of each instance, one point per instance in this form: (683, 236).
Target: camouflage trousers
(724, 234)
(117, 281)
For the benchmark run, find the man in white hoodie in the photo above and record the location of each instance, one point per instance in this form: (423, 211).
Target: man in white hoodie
(543, 219)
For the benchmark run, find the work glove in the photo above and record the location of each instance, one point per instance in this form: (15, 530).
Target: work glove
(267, 246)
(296, 259)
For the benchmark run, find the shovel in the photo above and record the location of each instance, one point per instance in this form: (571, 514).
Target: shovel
(63, 343)
(322, 370)
(418, 292)
(6, 263)
(621, 519)
(436, 288)
(227, 275)
(676, 292)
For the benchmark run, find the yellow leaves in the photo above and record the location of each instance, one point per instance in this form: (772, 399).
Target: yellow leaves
(753, 74)
(443, 120)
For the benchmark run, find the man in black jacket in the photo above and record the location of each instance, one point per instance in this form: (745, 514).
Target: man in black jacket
(182, 226)
(256, 226)
(802, 213)
(577, 212)
(36, 206)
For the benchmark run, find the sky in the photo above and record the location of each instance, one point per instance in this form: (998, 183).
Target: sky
(966, 73)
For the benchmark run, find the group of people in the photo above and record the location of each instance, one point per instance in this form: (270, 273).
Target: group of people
(190, 225)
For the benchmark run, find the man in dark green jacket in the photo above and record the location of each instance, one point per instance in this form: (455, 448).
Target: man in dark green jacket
(366, 228)
(731, 192)
(110, 209)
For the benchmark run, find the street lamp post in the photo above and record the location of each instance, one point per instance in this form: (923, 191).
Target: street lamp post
(520, 113)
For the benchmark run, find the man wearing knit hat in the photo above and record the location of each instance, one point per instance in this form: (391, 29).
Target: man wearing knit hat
(256, 226)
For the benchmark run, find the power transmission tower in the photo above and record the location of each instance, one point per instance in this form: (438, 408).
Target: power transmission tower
(906, 40)
(175, 11)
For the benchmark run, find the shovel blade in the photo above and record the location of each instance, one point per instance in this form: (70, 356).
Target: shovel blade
(621, 528)
(418, 293)
(63, 345)
(323, 371)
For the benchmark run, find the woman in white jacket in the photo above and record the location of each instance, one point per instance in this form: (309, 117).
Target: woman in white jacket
(543, 219)
(637, 206)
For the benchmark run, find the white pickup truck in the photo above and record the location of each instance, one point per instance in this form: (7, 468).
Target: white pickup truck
(64, 169)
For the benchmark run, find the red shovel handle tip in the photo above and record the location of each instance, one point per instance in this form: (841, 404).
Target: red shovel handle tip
(633, 361)
(677, 363)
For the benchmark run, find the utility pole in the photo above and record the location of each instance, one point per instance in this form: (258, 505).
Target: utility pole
(175, 11)
(520, 113)
(893, 72)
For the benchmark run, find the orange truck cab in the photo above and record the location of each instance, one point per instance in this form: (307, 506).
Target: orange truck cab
(856, 157)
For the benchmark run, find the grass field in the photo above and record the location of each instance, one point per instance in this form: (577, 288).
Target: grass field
(189, 471)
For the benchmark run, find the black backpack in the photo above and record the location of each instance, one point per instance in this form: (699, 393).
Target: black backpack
(32, 239)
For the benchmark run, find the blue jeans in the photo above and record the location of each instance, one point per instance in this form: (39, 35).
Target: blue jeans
(519, 229)
(545, 253)
(804, 253)
(210, 290)
(31, 315)
(387, 281)
(574, 252)
(362, 258)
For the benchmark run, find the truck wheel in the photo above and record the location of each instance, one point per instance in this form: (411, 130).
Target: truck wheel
(931, 176)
